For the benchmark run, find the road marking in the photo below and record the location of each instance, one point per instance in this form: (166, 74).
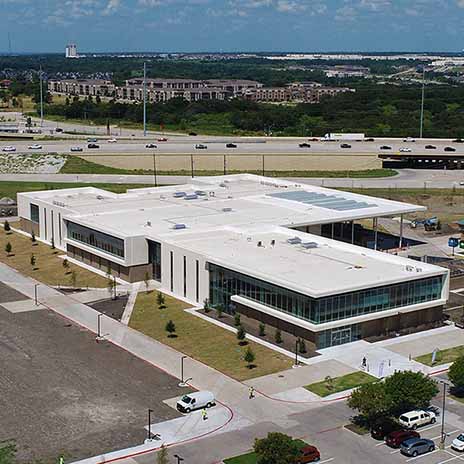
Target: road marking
(327, 460)
(423, 455)
(380, 444)
(447, 433)
(395, 451)
(448, 460)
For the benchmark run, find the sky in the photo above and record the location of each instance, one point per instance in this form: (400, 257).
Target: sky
(232, 25)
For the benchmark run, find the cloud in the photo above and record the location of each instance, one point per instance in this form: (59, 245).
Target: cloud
(111, 7)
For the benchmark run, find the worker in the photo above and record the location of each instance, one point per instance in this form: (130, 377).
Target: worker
(251, 393)
(204, 414)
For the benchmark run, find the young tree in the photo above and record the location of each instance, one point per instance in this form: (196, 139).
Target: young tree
(262, 330)
(249, 357)
(276, 448)
(241, 335)
(206, 306)
(162, 456)
(33, 261)
(302, 346)
(33, 239)
(66, 265)
(456, 374)
(409, 390)
(146, 280)
(371, 401)
(278, 336)
(219, 310)
(52, 243)
(160, 301)
(8, 248)
(237, 321)
(6, 226)
(170, 328)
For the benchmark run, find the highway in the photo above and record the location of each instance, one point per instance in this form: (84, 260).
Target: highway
(407, 178)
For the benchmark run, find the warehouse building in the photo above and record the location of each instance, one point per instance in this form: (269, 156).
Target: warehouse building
(252, 245)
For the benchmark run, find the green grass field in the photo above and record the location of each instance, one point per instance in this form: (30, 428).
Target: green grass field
(339, 384)
(78, 165)
(443, 356)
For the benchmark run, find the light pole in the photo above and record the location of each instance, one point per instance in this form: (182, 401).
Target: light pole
(422, 103)
(99, 325)
(154, 170)
(41, 97)
(443, 434)
(182, 369)
(296, 352)
(179, 459)
(149, 424)
(144, 99)
(35, 294)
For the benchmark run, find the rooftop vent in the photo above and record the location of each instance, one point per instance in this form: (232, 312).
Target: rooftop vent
(410, 268)
(179, 194)
(273, 242)
(179, 226)
(149, 223)
(212, 194)
(226, 210)
(309, 245)
(294, 240)
(260, 243)
(191, 196)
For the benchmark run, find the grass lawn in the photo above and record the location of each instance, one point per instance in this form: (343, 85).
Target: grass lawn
(339, 384)
(250, 458)
(77, 165)
(49, 267)
(443, 356)
(10, 189)
(203, 340)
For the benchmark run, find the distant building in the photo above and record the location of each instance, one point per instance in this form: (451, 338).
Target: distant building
(71, 51)
(82, 87)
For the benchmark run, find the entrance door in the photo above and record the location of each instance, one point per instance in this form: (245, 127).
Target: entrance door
(341, 336)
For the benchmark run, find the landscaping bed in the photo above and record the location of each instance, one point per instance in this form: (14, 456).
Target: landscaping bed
(338, 384)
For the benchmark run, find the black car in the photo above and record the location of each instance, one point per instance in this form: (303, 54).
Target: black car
(200, 146)
(385, 147)
(384, 427)
(304, 145)
(458, 141)
(193, 134)
(93, 145)
(370, 139)
(231, 145)
(449, 149)
(430, 147)
(58, 129)
(345, 145)
(150, 145)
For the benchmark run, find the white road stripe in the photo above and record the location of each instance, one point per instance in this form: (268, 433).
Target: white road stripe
(423, 455)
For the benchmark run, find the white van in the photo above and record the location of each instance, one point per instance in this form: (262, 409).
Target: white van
(197, 400)
(414, 419)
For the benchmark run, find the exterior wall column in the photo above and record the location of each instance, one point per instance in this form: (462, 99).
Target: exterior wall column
(352, 232)
(375, 220)
(401, 231)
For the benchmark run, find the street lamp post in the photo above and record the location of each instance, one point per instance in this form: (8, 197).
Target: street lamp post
(154, 171)
(422, 104)
(179, 459)
(35, 294)
(296, 352)
(443, 435)
(99, 334)
(149, 424)
(182, 369)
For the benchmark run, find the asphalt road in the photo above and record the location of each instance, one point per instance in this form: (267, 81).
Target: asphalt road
(407, 178)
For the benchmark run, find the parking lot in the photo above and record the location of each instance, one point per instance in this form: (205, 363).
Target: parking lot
(61, 392)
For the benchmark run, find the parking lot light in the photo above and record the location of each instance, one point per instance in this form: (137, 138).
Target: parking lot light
(179, 459)
(35, 294)
(443, 434)
(149, 436)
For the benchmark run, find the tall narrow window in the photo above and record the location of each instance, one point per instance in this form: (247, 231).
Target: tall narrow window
(45, 223)
(53, 229)
(172, 271)
(59, 226)
(197, 281)
(185, 276)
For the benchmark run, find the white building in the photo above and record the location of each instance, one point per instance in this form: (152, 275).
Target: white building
(250, 244)
(71, 51)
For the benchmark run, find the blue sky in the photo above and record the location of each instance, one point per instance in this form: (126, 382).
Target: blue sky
(232, 25)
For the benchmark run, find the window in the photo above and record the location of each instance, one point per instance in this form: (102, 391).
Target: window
(96, 239)
(172, 270)
(45, 222)
(53, 232)
(185, 276)
(225, 283)
(197, 281)
(59, 226)
(154, 257)
(34, 213)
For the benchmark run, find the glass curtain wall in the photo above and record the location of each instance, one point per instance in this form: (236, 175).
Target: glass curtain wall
(225, 283)
(154, 257)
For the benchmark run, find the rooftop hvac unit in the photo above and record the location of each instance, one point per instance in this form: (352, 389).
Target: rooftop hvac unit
(294, 240)
(149, 223)
(191, 196)
(179, 226)
(226, 210)
(99, 197)
(410, 268)
(200, 193)
(260, 243)
(273, 242)
(178, 194)
(309, 245)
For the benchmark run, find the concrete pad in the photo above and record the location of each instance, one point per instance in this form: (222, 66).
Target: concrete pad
(299, 377)
(22, 306)
(297, 394)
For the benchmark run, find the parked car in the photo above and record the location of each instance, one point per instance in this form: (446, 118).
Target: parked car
(231, 145)
(449, 149)
(430, 147)
(150, 145)
(385, 147)
(458, 141)
(35, 146)
(200, 146)
(193, 134)
(415, 446)
(345, 145)
(308, 454)
(196, 400)
(458, 443)
(383, 427)
(162, 139)
(370, 139)
(76, 149)
(417, 418)
(93, 145)
(405, 150)
(304, 145)
(9, 148)
(394, 439)
(92, 140)
(113, 140)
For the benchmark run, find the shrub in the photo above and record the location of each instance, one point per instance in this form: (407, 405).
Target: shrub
(302, 346)
(262, 329)
(8, 248)
(278, 336)
(160, 300)
(249, 357)
(237, 321)
(33, 239)
(170, 328)
(276, 448)
(6, 226)
(241, 335)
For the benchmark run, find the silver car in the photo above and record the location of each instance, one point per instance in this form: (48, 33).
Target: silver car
(415, 446)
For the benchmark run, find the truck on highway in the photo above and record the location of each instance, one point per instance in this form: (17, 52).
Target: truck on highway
(337, 136)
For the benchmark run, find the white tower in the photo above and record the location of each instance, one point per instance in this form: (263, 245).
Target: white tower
(71, 51)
